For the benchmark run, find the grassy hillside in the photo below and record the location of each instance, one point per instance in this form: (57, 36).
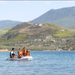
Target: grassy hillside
(30, 30)
(4, 31)
(64, 17)
(43, 36)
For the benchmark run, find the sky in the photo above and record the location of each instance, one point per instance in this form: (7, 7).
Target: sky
(25, 11)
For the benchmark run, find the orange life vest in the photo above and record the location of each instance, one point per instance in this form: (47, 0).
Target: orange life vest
(28, 53)
(19, 52)
(24, 52)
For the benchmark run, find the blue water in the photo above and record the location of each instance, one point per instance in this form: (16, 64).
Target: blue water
(43, 63)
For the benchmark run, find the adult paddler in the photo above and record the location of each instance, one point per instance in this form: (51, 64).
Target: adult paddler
(12, 54)
(24, 51)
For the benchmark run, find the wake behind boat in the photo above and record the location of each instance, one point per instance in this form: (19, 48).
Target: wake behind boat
(27, 58)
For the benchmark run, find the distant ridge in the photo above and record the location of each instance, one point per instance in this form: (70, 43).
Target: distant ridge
(64, 17)
(8, 23)
(72, 27)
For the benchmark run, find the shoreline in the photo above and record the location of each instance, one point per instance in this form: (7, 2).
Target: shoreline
(4, 50)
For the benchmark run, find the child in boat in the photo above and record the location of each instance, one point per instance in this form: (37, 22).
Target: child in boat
(24, 51)
(19, 53)
(28, 53)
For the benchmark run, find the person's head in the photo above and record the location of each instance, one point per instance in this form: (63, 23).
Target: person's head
(19, 48)
(12, 49)
(24, 48)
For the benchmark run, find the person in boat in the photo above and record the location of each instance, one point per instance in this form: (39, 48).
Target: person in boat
(12, 54)
(20, 53)
(24, 51)
(28, 53)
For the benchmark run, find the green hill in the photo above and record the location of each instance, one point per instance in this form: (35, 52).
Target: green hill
(4, 31)
(64, 17)
(44, 36)
(31, 31)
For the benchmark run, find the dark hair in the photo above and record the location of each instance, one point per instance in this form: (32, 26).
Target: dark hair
(12, 48)
(23, 47)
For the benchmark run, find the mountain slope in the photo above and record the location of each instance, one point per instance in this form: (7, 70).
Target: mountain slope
(72, 27)
(64, 17)
(4, 31)
(31, 31)
(8, 23)
(43, 36)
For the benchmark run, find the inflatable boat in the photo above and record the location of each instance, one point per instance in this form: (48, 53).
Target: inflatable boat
(28, 58)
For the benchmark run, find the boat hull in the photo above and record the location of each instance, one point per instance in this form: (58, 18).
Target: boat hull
(28, 58)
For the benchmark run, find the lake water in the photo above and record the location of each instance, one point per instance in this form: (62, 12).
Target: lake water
(43, 63)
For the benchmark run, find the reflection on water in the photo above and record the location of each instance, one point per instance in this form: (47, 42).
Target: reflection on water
(43, 63)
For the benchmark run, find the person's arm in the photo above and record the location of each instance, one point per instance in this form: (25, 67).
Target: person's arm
(29, 53)
(18, 52)
(11, 55)
(15, 53)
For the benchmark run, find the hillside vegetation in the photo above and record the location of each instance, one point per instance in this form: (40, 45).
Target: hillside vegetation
(4, 31)
(64, 17)
(30, 30)
(43, 36)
